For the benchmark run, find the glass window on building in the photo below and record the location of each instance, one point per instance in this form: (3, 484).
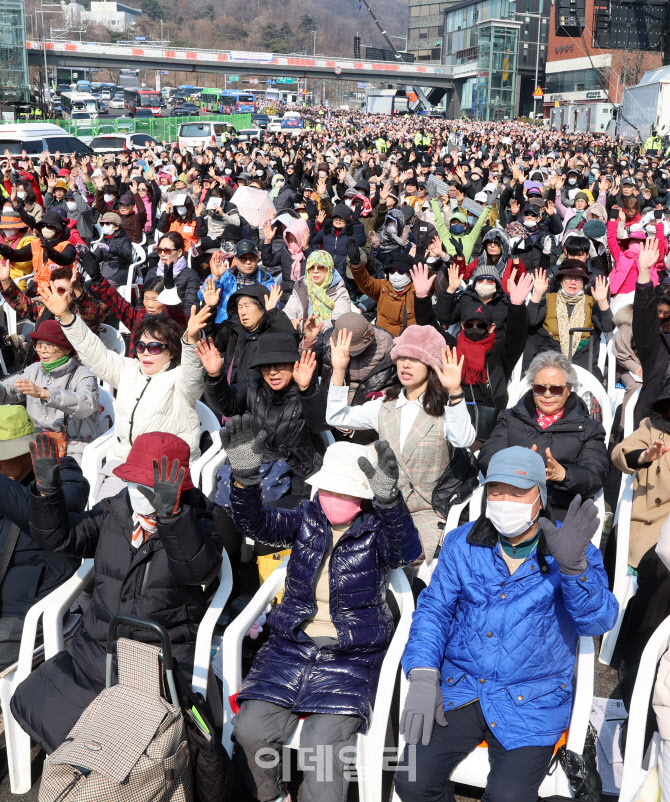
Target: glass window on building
(14, 84)
(494, 94)
(572, 81)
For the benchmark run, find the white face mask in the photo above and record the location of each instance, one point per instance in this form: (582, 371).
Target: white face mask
(228, 171)
(511, 518)
(181, 210)
(71, 206)
(322, 174)
(108, 198)
(107, 229)
(572, 181)
(48, 233)
(485, 290)
(138, 502)
(260, 172)
(399, 280)
(20, 194)
(577, 294)
(10, 233)
(530, 223)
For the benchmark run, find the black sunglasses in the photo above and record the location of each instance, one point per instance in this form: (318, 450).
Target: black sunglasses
(475, 324)
(554, 389)
(154, 348)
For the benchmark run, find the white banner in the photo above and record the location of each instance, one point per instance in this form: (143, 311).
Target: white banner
(243, 55)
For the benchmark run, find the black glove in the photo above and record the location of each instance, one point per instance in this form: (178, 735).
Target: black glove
(384, 478)
(458, 246)
(245, 452)
(658, 214)
(518, 247)
(44, 454)
(353, 252)
(167, 488)
(568, 544)
(5, 250)
(89, 264)
(612, 214)
(168, 277)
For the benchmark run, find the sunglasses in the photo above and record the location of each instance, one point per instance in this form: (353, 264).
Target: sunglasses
(276, 368)
(166, 250)
(475, 324)
(62, 290)
(153, 348)
(553, 389)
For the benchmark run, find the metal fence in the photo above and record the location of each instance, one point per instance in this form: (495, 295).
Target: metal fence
(161, 128)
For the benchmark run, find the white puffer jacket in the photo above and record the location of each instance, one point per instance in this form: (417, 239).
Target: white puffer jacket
(161, 403)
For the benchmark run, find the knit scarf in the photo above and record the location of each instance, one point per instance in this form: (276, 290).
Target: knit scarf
(300, 231)
(366, 204)
(179, 265)
(567, 322)
(474, 353)
(320, 303)
(143, 527)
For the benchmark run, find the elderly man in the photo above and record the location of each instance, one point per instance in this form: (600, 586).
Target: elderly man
(491, 650)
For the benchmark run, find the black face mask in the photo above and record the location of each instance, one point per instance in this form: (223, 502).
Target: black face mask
(476, 334)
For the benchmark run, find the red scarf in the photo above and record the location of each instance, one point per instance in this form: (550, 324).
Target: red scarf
(547, 420)
(474, 367)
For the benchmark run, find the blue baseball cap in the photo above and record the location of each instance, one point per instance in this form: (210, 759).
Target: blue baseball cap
(519, 467)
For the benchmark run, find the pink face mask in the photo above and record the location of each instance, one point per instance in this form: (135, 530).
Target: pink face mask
(339, 511)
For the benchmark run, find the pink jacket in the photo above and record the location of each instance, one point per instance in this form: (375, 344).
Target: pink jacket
(625, 261)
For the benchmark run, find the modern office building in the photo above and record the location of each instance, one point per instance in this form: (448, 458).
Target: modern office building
(497, 49)
(14, 83)
(425, 29)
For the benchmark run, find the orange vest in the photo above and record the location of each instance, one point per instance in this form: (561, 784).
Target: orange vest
(187, 230)
(43, 269)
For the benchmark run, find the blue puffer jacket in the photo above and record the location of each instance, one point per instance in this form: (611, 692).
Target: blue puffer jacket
(290, 670)
(509, 641)
(227, 283)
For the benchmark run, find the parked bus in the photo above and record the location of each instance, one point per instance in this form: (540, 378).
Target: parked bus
(129, 79)
(83, 86)
(227, 101)
(134, 99)
(78, 101)
(107, 90)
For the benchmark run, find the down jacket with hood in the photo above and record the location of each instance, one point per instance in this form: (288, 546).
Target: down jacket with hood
(162, 580)
(161, 403)
(186, 282)
(508, 642)
(236, 344)
(577, 442)
(227, 283)
(450, 307)
(335, 240)
(626, 261)
(281, 257)
(290, 671)
(298, 306)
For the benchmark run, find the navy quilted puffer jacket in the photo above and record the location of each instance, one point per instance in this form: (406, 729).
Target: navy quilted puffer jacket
(508, 641)
(289, 670)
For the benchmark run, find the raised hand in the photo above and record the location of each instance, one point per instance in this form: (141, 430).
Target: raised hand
(268, 231)
(244, 451)
(540, 285)
(454, 277)
(58, 305)
(383, 477)
(218, 265)
(44, 454)
(451, 372)
(599, 291)
(210, 357)
(520, 289)
(211, 293)
(312, 328)
(422, 280)
(196, 323)
(339, 350)
(555, 471)
(647, 259)
(275, 296)
(568, 545)
(655, 451)
(304, 370)
(166, 493)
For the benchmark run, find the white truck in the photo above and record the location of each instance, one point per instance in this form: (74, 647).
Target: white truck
(645, 106)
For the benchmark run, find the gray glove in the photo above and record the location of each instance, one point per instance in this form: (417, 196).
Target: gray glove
(384, 478)
(423, 707)
(493, 197)
(244, 451)
(567, 545)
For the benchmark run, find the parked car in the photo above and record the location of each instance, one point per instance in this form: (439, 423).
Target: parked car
(261, 120)
(190, 135)
(186, 110)
(274, 126)
(247, 134)
(143, 114)
(103, 108)
(110, 143)
(116, 102)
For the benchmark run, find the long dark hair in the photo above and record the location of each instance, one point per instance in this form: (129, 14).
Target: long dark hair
(433, 399)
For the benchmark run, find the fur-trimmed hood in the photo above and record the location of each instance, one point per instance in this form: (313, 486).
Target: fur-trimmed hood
(624, 316)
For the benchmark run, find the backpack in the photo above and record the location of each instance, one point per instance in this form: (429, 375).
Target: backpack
(130, 743)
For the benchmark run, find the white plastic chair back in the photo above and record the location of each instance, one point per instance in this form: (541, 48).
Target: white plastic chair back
(107, 413)
(629, 414)
(636, 764)
(615, 394)
(369, 747)
(112, 339)
(602, 353)
(209, 422)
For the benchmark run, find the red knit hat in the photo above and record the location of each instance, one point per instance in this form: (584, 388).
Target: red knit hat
(139, 465)
(424, 343)
(51, 332)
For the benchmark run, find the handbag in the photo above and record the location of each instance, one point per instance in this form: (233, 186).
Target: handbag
(459, 480)
(581, 771)
(483, 418)
(61, 438)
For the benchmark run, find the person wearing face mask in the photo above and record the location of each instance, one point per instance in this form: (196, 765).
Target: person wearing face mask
(319, 294)
(172, 259)
(156, 391)
(551, 315)
(114, 252)
(458, 242)
(553, 420)
(181, 217)
(422, 415)
(15, 234)
(76, 208)
(510, 571)
(336, 232)
(50, 249)
(291, 255)
(133, 216)
(27, 195)
(484, 287)
(325, 651)
(154, 547)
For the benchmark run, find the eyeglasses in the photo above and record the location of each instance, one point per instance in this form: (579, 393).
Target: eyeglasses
(475, 324)
(62, 290)
(275, 368)
(154, 348)
(166, 250)
(553, 389)
(43, 346)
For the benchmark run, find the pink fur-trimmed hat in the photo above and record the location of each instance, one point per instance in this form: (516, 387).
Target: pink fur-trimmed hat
(419, 342)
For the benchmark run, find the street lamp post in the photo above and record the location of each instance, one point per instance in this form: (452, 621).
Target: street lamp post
(314, 32)
(539, 17)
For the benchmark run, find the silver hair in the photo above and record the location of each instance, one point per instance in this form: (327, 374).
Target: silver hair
(553, 359)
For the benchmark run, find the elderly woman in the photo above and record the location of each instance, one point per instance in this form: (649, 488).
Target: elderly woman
(552, 315)
(320, 293)
(554, 421)
(291, 255)
(156, 391)
(61, 396)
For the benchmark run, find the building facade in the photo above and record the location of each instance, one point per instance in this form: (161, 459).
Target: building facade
(114, 16)
(425, 29)
(14, 82)
(497, 49)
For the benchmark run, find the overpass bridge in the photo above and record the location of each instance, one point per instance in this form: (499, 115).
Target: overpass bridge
(116, 56)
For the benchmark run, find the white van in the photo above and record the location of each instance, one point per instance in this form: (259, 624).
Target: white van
(292, 115)
(194, 134)
(37, 137)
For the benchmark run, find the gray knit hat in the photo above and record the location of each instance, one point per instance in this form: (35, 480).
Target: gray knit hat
(485, 271)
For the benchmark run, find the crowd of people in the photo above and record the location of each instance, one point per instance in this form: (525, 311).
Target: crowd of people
(416, 315)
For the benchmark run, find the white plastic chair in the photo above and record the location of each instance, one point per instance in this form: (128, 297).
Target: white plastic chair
(426, 569)
(209, 422)
(53, 612)
(113, 341)
(370, 746)
(615, 393)
(587, 383)
(474, 769)
(636, 764)
(602, 353)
